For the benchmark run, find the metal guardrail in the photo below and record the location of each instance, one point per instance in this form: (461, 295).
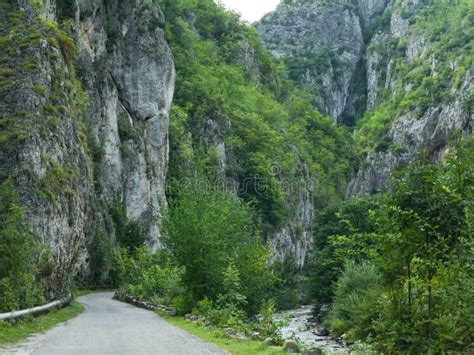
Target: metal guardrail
(35, 311)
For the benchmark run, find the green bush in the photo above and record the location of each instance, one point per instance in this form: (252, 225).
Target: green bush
(355, 300)
(103, 261)
(129, 234)
(206, 229)
(286, 287)
(150, 276)
(20, 283)
(412, 287)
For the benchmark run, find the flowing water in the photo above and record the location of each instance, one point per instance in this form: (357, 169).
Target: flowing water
(303, 328)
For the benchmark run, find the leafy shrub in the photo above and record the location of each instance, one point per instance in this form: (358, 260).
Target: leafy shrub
(286, 287)
(267, 326)
(128, 233)
(20, 286)
(354, 308)
(206, 229)
(150, 277)
(227, 311)
(103, 261)
(412, 289)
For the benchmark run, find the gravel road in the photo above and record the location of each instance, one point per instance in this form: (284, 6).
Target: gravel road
(112, 327)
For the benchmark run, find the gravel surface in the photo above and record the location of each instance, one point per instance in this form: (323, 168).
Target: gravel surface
(112, 327)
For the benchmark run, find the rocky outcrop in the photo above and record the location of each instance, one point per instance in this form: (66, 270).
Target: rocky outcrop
(130, 93)
(45, 151)
(412, 136)
(323, 46)
(295, 236)
(415, 130)
(85, 111)
(355, 56)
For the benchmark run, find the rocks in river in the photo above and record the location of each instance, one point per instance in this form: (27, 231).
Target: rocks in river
(305, 333)
(323, 332)
(291, 346)
(313, 351)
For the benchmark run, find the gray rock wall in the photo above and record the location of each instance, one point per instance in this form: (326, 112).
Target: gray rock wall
(130, 90)
(345, 52)
(73, 164)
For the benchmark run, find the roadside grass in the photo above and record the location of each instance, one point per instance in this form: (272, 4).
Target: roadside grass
(17, 330)
(221, 340)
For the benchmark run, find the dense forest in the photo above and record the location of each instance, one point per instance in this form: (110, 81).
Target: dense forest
(253, 157)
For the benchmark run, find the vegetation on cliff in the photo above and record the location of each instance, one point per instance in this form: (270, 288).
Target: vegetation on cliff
(247, 150)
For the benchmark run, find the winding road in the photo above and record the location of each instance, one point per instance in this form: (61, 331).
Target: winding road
(112, 327)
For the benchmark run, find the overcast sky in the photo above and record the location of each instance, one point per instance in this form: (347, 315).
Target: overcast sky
(251, 10)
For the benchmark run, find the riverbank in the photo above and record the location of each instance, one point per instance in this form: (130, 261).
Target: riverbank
(303, 328)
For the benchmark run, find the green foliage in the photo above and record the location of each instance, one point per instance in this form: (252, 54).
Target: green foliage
(341, 232)
(150, 276)
(286, 288)
(20, 255)
(129, 234)
(103, 261)
(232, 287)
(412, 288)
(267, 326)
(205, 230)
(268, 128)
(58, 181)
(355, 299)
(227, 312)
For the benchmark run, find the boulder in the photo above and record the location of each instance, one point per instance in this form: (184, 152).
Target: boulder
(239, 336)
(313, 351)
(173, 312)
(291, 346)
(323, 332)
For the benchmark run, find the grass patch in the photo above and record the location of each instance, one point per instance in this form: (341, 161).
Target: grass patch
(221, 340)
(12, 332)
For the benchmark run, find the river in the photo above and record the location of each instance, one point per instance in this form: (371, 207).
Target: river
(301, 327)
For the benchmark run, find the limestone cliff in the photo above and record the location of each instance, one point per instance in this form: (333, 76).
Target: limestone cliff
(399, 70)
(84, 114)
(323, 43)
(420, 74)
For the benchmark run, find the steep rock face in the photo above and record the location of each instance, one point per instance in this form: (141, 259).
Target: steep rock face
(295, 236)
(44, 149)
(77, 148)
(390, 68)
(405, 62)
(322, 44)
(131, 90)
